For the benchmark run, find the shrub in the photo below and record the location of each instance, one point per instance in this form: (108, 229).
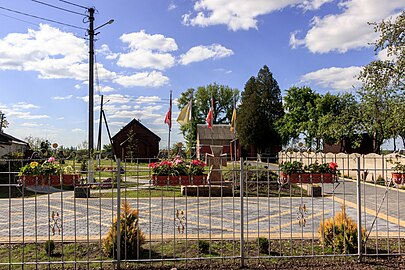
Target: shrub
(263, 245)
(340, 232)
(49, 247)
(131, 236)
(203, 246)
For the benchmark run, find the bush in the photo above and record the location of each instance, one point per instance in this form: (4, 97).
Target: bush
(49, 247)
(131, 236)
(340, 232)
(203, 246)
(264, 245)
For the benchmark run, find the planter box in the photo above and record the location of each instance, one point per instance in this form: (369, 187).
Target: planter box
(179, 180)
(308, 178)
(70, 179)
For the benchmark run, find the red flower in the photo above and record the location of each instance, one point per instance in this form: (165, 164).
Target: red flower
(152, 165)
(333, 166)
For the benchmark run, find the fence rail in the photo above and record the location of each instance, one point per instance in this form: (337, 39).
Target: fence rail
(251, 213)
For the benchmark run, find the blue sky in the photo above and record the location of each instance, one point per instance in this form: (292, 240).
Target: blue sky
(156, 46)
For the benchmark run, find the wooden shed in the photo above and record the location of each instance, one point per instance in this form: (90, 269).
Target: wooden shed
(135, 140)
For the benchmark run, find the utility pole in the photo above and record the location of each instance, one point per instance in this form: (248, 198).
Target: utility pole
(91, 83)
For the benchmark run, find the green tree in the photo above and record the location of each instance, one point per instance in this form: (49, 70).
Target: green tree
(339, 119)
(383, 84)
(132, 150)
(300, 118)
(3, 121)
(260, 108)
(224, 99)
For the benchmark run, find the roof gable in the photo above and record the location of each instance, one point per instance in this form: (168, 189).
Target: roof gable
(135, 122)
(6, 138)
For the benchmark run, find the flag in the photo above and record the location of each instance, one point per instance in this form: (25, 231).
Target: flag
(168, 118)
(210, 116)
(233, 120)
(185, 114)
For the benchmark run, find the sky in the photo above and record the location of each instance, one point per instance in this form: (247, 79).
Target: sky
(157, 46)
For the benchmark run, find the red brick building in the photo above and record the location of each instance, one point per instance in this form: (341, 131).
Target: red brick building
(145, 142)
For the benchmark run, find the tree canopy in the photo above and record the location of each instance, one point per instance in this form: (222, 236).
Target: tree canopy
(224, 99)
(260, 108)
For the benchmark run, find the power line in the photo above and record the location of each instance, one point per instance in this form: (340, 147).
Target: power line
(73, 4)
(67, 10)
(41, 18)
(15, 18)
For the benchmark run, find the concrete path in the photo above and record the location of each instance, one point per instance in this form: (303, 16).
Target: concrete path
(73, 219)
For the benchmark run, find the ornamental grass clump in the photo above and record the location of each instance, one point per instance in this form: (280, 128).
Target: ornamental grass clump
(131, 235)
(340, 233)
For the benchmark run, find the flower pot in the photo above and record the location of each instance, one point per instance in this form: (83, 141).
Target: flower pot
(321, 178)
(173, 180)
(198, 180)
(296, 178)
(54, 180)
(70, 179)
(159, 180)
(28, 180)
(184, 180)
(398, 178)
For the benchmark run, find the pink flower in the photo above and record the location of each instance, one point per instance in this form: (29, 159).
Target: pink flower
(152, 165)
(51, 159)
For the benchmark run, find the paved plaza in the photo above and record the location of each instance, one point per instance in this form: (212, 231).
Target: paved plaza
(60, 216)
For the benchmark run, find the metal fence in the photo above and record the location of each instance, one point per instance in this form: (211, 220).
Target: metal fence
(252, 213)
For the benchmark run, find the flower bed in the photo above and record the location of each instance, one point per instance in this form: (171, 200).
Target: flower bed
(178, 173)
(48, 173)
(295, 173)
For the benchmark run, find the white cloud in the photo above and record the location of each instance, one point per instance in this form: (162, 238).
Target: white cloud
(77, 86)
(24, 106)
(105, 89)
(142, 40)
(148, 100)
(151, 79)
(31, 124)
(77, 130)
(313, 5)
(26, 115)
(46, 50)
(171, 6)
(142, 59)
(201, 53)
(349, 29)
(147, 51)
(105, 50)
(334, 77)
(62, 98)
(236, 14)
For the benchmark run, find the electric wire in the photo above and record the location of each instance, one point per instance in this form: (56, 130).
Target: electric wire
(15, 18)
(67, 10)
(73, 4)
(42, 18)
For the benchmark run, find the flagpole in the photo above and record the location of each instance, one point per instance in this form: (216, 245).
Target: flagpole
(191, 123)
(234, 129)
(170, 124)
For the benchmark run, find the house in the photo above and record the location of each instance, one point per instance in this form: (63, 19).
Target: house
(365, 146)
(136, 141)
(219, 134)
(10, 144)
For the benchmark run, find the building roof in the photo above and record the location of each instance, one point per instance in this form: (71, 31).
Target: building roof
(137, 123)
(8, 139)
(217, 132)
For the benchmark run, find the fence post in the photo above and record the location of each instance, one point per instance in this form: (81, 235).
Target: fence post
(358, 186)
(118, 213)
(242, 236)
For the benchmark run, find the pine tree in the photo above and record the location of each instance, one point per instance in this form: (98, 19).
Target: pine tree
(261, 107)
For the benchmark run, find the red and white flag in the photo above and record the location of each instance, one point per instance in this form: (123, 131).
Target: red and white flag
(168, 118)
(210, 116)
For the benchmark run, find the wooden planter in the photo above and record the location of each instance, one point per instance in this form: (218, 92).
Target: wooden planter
(199, 180)
(54, 180)
(308, 178)
(30, 180)
(70, 179)
(183, 180)
(398, 178)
